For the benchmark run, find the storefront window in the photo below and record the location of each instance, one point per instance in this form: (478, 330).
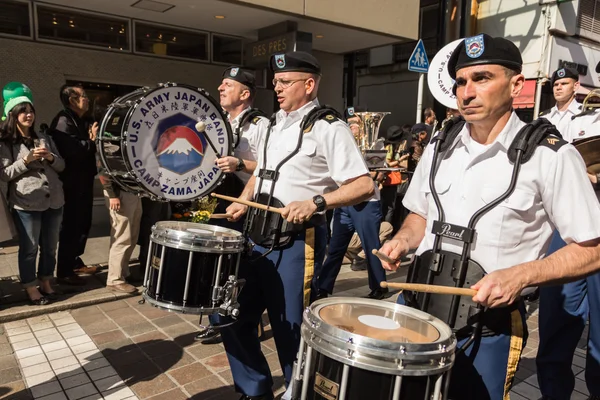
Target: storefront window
(169, 41)
(79, 28)
(14, 18)
(226, 49)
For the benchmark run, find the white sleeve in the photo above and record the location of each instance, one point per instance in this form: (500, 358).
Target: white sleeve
(415, 198)
(259, 132)
(569, 199)
(344, 159)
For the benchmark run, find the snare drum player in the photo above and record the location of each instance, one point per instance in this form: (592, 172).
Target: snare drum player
(236, 94)
(502, 187)
(308, 163)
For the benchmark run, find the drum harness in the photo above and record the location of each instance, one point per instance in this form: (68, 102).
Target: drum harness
(436, 260)
(266, 228)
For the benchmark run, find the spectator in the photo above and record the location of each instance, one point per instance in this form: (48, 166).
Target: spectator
(30, 163)
(398, 147)
(75, 141)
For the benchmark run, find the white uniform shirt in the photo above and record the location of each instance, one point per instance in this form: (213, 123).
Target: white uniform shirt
(552, 190)
(328, 157)
(249, 142)
(583, 127)
(562, 119)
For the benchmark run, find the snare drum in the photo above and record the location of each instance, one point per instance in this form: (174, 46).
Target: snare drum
(357, 349)
(149, 145)
(193, 268)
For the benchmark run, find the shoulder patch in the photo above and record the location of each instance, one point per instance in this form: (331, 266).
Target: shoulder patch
(545, 112)
(331, 118)
(553, 142)
(255, 120)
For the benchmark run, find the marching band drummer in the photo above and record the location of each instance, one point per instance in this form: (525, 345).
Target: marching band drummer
(305, 168)
(512, 237)
(236, 95)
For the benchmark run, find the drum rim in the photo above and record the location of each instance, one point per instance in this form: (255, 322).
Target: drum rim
(336, 343)
(177, 308)
(183, 240)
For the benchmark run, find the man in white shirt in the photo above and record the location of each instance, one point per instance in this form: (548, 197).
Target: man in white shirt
(499, 202)
(565, 83)
(305, 169)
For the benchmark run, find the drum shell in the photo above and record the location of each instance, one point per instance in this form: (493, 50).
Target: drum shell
(408, 359)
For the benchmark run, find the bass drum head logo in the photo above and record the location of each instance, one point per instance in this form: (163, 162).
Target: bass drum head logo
(166, 153)
(474, 46)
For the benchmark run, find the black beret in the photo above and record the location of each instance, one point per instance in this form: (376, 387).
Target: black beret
(350, 111)
(564, 73)
(295, 61)
(243, 76)
(484, 49)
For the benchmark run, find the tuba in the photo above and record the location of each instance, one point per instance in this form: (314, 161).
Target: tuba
(371, 147)
(586, 102)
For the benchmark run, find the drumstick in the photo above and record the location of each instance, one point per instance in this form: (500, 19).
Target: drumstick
(383, 257)
(247, 203)
(437, 289)
(201, 128)
(221, 216)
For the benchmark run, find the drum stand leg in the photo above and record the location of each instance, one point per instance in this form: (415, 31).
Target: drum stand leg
(397, 388)
(147, 271)
(307, 362)
(438, 387)
(297, 373)
(344, 382)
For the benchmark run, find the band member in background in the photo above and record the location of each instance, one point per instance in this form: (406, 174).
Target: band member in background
(305, 170)
(75, 140)
(565, 309)
(236, 94)
(512, 237)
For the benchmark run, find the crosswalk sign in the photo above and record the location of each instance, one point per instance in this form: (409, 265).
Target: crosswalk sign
(418, 61)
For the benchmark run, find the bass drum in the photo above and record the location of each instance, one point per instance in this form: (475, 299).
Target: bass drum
(149, 145)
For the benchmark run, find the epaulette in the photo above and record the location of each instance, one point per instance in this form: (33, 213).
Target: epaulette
(553, 142)
(331, 118)
(255, 120)
(544, 112)
(588, 111)
(324, 112)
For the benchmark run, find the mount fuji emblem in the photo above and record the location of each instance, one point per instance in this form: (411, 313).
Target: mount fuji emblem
(180, 149)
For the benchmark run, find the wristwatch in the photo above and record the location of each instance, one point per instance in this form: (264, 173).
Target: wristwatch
(240, 165)
(320, 203)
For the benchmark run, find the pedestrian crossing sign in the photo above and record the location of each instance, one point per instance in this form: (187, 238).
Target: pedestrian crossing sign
(418, 61)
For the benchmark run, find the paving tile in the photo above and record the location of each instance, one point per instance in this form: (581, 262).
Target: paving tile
(133, 330)
(75, 341)
(82, 348)
(227, 376)
(210, 387)
(39, 379)
(581, 387)
(175, 394)
(37, 369)
(167, 321)
(107, 337)
(109, 383)
(26, 344)
(35, 360)
(73, 333)
(136, 372)
(15, 324)
(46, 332)
(527, 391)
(45, 389)
(149, 338)
(135, 355)
(203, 351)
(69, 382)
(189, 373)
(50, 339)
(156, 385)
(39, 320)
(579, 361)
(68, 327)
(64, 362)
(89, 355)
(95, 364)
(32, 351)
(218, 362)
(41, 326)
(80, 392)
(113, 305)
(61, 344)
(55, 396)
(71, 370)
(5, 349)
(9, 375)
(18, 331)
(64, 321)
(161, 349)
(120, 393)
(8, 362)
(101, 373)
(56, 354)
(173, 361)
(21, 338)
(516, 396)
(99, 327)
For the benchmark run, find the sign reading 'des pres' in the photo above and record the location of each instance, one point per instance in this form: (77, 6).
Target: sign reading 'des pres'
(259, 53)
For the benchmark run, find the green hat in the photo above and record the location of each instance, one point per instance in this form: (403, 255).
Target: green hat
(15, 93)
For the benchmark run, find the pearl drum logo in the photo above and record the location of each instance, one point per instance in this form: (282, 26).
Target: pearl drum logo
(166, 153)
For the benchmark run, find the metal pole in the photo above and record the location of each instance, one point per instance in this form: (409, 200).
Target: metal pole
(420, 98)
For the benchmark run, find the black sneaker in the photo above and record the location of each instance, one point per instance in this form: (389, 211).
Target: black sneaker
(377, 294)
(358, 264)
(207, 334)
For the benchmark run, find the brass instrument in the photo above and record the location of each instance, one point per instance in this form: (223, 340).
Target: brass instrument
(372, 149)
(589, 148)
(593, 93)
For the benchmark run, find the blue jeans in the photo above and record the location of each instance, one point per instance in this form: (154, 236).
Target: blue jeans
(37, 228)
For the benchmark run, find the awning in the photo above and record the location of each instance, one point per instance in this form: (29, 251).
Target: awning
(527, 97)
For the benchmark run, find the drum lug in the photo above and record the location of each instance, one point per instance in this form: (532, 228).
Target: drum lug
(350, 353)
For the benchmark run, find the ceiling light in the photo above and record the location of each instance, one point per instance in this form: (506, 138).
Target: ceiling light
(319, 36)
(152, 5)
(219, 16)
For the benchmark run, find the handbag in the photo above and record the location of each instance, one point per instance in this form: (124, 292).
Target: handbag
(393, 178)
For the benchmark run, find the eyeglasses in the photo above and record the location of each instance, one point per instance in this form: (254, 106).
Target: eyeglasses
(77, 96)
(286, 83)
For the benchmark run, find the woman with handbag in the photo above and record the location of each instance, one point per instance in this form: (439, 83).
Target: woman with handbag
(398, 150)
(30, 163)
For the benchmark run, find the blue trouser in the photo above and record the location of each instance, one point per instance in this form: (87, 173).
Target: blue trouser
(486, 369)
(37, 229)
(564, 310)
(281, 283)
(365, 219)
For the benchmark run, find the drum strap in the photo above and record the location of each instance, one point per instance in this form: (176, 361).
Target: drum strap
(250, 115)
